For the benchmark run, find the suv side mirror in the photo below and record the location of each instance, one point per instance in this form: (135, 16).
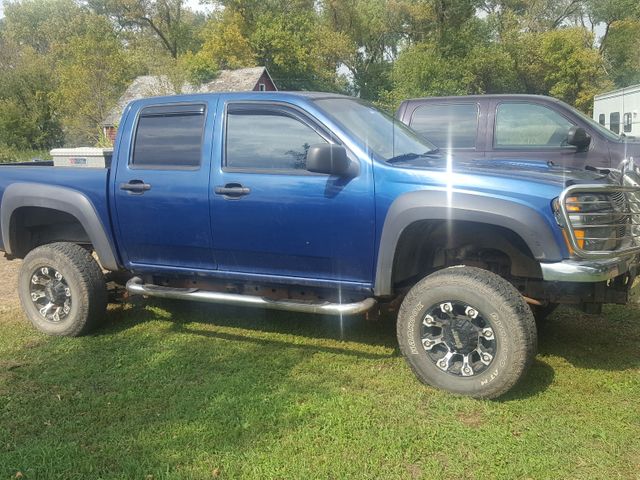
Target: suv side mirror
(578, 137)
(331, 159)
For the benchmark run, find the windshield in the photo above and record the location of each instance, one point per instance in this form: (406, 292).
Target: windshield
(601, 128)
(388, 138)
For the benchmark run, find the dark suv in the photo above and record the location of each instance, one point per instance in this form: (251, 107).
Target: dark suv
(508, 126)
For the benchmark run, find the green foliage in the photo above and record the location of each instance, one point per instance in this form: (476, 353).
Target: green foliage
(574, 71)
(64, 63)
(298, 53)
(225, 45)
(622, 53)
(27, 116)
(39, 24)
(12, 154)
(198, 68)
(93, 69)
(292, 41)
(169, 21)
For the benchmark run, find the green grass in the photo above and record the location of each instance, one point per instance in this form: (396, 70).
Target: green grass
(180, 391)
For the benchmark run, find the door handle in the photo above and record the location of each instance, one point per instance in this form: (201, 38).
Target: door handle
(135, 187)
(232, 190)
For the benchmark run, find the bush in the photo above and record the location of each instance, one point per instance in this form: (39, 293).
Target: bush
(11, 155)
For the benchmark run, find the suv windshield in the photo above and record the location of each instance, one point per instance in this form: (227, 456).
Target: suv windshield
(388, 138)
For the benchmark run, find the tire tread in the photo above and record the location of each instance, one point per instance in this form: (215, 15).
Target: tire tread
(525, 347)
(90, 279)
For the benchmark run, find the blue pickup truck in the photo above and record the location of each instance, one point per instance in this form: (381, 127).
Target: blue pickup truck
(320, 203)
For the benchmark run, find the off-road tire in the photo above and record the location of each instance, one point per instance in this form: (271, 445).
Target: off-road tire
(85, 281)
(496, 300)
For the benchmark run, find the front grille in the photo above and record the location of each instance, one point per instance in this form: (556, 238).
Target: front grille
(602, 220)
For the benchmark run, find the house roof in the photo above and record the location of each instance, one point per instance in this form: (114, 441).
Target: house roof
(243, 79)
(234, 80)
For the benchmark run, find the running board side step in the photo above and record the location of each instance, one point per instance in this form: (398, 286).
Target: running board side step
(135, 286)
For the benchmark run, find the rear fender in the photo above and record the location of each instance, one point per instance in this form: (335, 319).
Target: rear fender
(67, 200)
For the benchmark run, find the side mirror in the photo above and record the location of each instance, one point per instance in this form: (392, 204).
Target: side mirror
(578, 137)
(330, 159)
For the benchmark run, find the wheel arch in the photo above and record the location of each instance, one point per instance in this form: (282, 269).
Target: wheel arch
(62, 204)
(524, 225)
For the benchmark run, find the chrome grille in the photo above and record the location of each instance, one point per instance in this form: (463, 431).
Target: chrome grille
(602, 220)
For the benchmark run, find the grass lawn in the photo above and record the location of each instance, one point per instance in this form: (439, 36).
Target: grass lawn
(178, 391)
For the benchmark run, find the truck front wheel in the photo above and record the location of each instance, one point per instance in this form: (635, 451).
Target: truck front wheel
(467, 331)
(62, 289)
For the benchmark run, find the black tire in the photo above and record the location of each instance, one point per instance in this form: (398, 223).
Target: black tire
(507, 320)
(542, 312)
(82, 282)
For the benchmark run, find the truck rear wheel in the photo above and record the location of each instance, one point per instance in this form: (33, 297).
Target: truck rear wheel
(467, 331)
(62, 289)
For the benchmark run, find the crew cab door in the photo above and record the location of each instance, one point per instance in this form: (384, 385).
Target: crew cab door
(161, 188)
(452, 125)
(529, 130)
(271, 216)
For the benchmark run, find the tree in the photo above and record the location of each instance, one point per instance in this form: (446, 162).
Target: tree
(39, 23)
(225, 44)
(174, 25)
(574, 70)
(300, 52)
(372, 30)
(621, 49)
(92, 71)
(28, 119)
(289, 38)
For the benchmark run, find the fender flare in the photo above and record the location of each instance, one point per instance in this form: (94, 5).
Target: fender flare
(432, 205)
(67, 200)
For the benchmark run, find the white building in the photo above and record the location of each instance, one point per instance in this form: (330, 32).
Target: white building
(619, 110)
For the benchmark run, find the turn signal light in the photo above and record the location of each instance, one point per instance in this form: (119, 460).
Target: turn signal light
(572, 204)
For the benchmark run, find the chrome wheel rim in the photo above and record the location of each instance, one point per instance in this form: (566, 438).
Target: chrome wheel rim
(458, 339)
(50, 294)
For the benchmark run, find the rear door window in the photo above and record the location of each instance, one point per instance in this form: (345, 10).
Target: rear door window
(169, 137)
(528, 125)
(447, 125)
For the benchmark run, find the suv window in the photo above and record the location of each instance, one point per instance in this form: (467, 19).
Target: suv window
(525, 125)
(169, 136)
(614, 122)
(447, 126)
(602, 119)
(268, 138)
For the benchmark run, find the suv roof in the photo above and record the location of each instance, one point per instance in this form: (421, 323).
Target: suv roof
(488, 96)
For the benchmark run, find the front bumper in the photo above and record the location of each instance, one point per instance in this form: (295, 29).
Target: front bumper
(589, 270)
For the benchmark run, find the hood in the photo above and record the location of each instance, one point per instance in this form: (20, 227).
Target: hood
(629, 147)
(533, 170)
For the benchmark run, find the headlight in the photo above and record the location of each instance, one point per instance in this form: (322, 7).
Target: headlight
(598, 222)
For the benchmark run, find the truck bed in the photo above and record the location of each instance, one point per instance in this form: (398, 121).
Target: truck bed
(92, 182)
